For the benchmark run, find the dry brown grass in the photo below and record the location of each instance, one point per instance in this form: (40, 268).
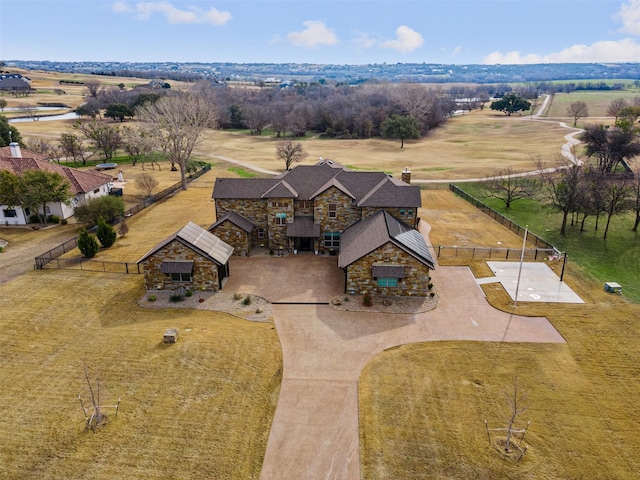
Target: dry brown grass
(422, 406)
(474, 145)
(201, 408)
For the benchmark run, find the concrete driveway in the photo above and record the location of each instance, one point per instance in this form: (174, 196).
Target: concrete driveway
(315, 430)
(302, 278)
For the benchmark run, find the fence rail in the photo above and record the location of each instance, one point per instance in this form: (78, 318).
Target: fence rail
(483, 253)
(91, 265)
(511, 225)
(45, 258)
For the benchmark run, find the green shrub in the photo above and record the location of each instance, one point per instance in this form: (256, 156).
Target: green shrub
(88, 244)
(247, 300)
(176, 297)
(430, 286)
(108, 207)
(53, 219)
(64, 221)
(34, 218)
(105, 233)
(366, 300)
(188, 293)
(152, 298)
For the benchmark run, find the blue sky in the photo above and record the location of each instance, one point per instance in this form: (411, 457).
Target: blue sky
(327, 31)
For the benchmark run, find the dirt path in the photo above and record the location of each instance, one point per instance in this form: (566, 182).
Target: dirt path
(25, 244)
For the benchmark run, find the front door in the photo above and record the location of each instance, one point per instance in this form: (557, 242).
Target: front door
(304, 244)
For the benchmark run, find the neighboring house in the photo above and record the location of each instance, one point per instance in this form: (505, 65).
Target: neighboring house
(383, 256)
(309, 207)
(235, 230)
(14, 82)
(85, 184)
(192, 258)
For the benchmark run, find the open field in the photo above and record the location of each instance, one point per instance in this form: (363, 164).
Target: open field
(199, 408)
(423, 406)
(597, 101)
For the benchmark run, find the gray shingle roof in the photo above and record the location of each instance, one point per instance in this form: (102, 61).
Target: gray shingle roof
(236, 219)
(376, 230)
(304, 182)
(199, 240)
(303, 227)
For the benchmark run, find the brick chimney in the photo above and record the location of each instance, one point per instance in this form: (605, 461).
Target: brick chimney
(406, 175)
(15, 150)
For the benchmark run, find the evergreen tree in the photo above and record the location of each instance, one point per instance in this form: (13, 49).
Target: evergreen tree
(87, 244)
(106, 234)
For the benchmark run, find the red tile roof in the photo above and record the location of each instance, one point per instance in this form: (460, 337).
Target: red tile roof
(82, 181)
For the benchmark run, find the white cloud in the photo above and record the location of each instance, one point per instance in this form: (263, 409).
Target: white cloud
(364, 40)
(626, 50)
(121, 7)
(315, 33)
(406, 40)
(629, 16)
(174, 15)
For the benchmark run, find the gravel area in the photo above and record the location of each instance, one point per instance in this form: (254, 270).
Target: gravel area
(355, 303)
(249, 307)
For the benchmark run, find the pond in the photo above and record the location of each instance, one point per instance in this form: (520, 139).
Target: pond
(46, 118)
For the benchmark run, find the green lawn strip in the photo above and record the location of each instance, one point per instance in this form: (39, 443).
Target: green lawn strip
(615, 259)
(242, 172)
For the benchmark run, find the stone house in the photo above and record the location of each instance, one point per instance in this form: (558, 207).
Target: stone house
(85, 184)
(234, 230)
(383, 256)
(191, 259)
(309, 207)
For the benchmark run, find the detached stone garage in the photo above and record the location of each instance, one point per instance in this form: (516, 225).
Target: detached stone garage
(192, 258)
(383, 256)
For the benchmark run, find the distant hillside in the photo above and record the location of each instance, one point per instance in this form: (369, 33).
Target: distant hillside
(272, 72)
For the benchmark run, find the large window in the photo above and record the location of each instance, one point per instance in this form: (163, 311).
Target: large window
(9, 213)
(280, 219)
(387, 282)
(332, 240)
(333, 210)
(181, 277)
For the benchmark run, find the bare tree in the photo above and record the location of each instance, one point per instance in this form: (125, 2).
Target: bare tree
(141, 144)
(516, 398)
(181, 121)
(123, 228)
(290, 152)
(416, 100)
(577, 110)
(94, 415)
(72, 147)
(564, 190)
(509, 186)
(3, 104)
(29, 111)
(147, 183)
(102, 137)
(616, 199)
(92, 86)
(615, 107)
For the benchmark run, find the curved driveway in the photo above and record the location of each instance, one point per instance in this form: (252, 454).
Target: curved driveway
(315, 431)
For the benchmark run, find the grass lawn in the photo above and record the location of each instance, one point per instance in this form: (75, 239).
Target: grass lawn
(423, 406)
(597, 102)
(199, 408)
(615, 259)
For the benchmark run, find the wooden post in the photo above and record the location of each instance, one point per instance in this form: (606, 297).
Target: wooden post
(117, 407)
(522, 454)
(486, 425)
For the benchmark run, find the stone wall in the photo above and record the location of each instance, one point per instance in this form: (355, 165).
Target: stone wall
(408, 215)
(203, 277)
(235, 236)
(254, 210)
(278, 232)
(415, 283)
(346, 214)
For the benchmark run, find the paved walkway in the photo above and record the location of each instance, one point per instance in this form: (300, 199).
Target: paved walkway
(315, 432)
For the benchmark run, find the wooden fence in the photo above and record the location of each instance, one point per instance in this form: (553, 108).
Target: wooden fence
(511, 225)
(45, 258)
